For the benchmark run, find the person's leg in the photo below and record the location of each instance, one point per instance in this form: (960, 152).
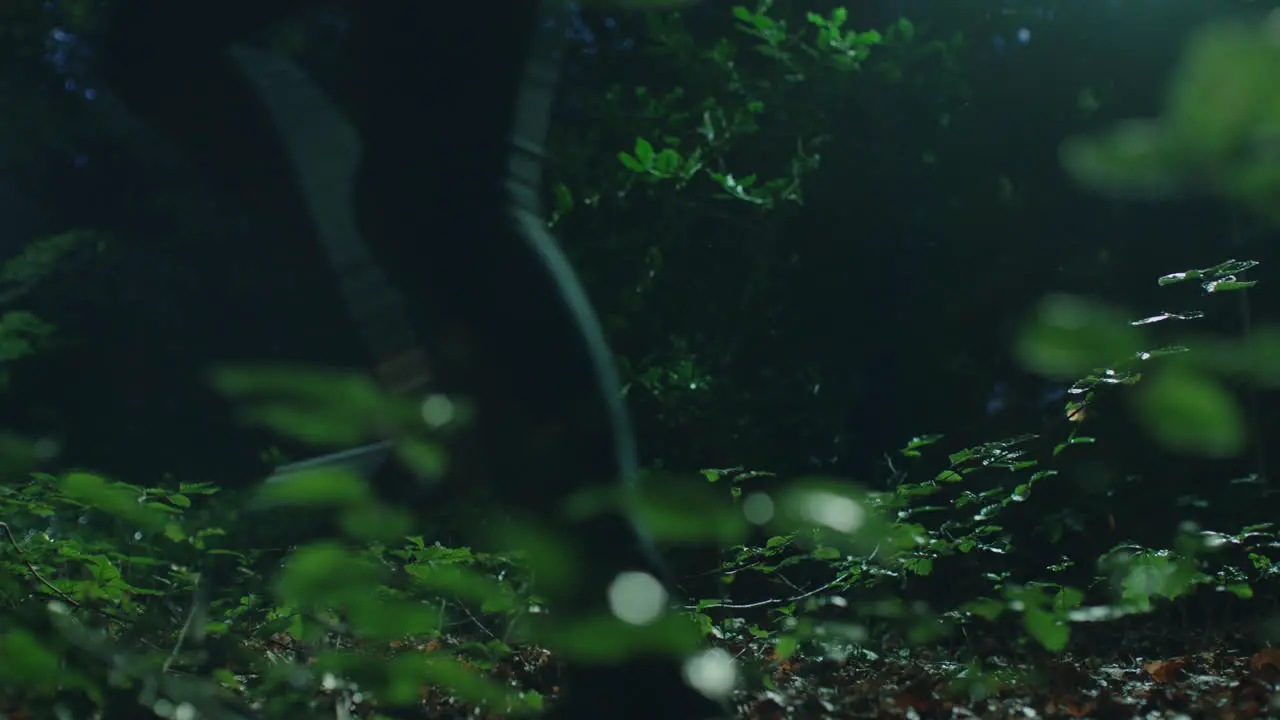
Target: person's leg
(462, 233)
(509, 322)
(450, 189)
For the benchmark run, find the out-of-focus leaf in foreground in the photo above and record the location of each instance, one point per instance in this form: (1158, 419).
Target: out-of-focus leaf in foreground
(1070, 336)
(321, 407)
(1192, 413)
(1218, 132)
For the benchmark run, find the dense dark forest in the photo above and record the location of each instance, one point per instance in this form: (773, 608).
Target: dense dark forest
(944, 329)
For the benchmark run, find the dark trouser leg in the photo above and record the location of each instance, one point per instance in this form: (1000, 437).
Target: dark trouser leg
(476, 254)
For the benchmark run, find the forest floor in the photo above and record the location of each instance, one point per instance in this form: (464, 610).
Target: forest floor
(1128, 678)
(1218, 683)
(1233, 678)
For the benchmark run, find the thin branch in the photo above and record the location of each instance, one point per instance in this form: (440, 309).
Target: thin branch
(774, 601)
(32, 568)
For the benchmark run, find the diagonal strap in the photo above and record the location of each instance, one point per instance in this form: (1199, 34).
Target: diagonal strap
(524, 182)
(325, 150)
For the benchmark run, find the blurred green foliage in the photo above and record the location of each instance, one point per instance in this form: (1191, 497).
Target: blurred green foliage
(105, 599)
(1219, 132)
(22, 333)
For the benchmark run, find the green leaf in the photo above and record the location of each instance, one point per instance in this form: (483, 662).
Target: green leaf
(376, 522)
(323, 407)
(395, 619)
(913, 448)
(21, 334)
(1217, 272)
(631, 162)
(906, 29)
(920, 566)
(988, 608)
(1229, 285)
(606, 639)
(1240, 590)
(318, 487)
(563, 199)
(28, 661)
(463, 584)
(786, 646)
(326, 574)
(1192, 413)
(1071, 335)
(1050, 631)
(644, 152)
(668, 161)
(427, 460)
(39, 260)
(225, 677)
(114, 499)
(826, 553)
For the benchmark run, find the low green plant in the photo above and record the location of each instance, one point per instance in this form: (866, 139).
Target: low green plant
(953, 516)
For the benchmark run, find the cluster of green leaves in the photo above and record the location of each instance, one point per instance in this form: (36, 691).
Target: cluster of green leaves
(22, 333)
(377, 609)
(1186, 405)
(119, 563)
(94, 552)
(40, 259)
(711, 175)
(955, 514)
(378, 615)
